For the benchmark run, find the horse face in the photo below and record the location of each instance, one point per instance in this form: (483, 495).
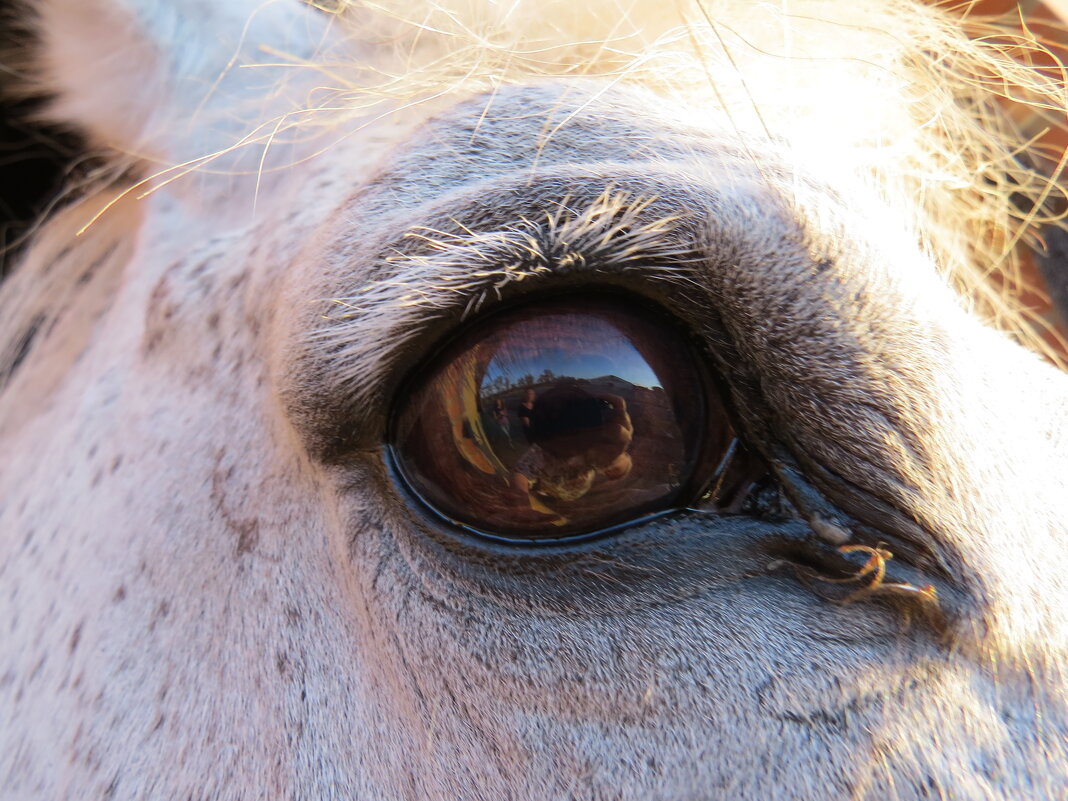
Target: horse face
(222, 583)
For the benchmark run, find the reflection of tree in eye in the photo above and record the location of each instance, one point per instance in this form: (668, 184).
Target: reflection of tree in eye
(500, 385)
(496, 386)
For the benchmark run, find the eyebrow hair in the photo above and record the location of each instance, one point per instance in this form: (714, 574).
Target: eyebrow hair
(432, 271)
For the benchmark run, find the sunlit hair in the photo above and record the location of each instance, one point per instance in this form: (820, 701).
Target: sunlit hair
(942, 114)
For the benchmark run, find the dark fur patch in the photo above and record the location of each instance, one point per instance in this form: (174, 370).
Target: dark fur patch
(20, 349)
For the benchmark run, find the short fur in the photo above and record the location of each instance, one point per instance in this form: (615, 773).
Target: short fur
(214, 589)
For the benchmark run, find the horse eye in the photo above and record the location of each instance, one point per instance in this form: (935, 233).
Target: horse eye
(559, 420)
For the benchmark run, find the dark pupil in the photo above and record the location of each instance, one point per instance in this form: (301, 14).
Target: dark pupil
(556, 420)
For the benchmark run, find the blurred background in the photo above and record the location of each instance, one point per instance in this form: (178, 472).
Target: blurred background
(34, 158)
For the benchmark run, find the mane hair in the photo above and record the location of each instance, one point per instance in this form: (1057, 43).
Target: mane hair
(941, 112)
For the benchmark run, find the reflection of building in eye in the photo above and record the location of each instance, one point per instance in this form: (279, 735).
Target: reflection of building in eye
(525, 412)
(502, 426)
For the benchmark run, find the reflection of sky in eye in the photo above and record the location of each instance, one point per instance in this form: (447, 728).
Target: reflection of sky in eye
(597, 350)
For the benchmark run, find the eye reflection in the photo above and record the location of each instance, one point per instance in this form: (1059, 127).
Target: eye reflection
(559, 419)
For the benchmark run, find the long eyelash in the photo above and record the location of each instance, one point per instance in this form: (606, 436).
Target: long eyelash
(929, 107)
(449, 265)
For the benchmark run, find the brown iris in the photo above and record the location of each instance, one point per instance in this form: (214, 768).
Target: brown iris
(560, 419)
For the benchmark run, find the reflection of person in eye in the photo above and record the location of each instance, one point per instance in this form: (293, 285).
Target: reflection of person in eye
(576, 436)
(500, 417)
(525, 413)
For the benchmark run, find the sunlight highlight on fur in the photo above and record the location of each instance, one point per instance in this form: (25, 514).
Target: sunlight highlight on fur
(902, 100)
(887, 93)
(606, 233)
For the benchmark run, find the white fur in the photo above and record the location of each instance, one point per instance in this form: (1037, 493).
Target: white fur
(211, 586)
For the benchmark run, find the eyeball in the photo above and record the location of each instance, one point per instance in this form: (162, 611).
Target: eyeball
(560, 419)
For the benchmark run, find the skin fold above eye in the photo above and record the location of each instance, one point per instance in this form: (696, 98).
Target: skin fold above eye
(559, 419)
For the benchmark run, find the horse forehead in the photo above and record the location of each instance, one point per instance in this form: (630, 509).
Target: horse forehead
(189, 301)
(224, 261)
(207, 278)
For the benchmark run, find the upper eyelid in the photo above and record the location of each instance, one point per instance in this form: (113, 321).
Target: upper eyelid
(452, 272)
(387, 301)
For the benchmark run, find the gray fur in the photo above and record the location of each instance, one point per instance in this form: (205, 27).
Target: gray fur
(213, 588)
